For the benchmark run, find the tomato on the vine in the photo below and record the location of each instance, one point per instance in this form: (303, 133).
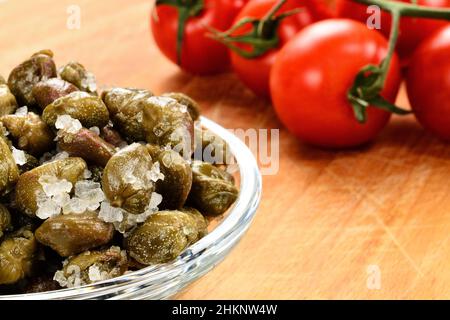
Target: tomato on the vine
(428, 83)
(180, 29)
(313, 73)
(255, 71)
(412, 30)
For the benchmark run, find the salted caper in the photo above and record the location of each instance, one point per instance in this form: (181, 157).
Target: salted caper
(92, 266)
(177, 181)
(213, 190)
(192, 106)
(29, 187)
(201, 221)
(24, 77)
(162, 237)
(17, 256)
(9, 172)
(211, 148)
(167, 123)
(76, 73)
(112, 136)
(87, 145)
(128, 180)
(126, 107)
(89, 110)
(5, 220)
(29, 132)
(8, 103)
(71, 234)
(47, 91)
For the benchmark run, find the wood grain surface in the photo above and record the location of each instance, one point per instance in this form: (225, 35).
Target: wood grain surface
(330, 223)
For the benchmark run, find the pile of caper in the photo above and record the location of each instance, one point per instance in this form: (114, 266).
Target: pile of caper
(96, 185)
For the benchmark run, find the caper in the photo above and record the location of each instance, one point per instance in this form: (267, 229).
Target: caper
(112, 136)
(77, 74)
(126, 107)
(9, 172)
(167, 123)
(30, 132)
(8, 103)
(162, 237)
(71, 234)
(92, 266)
(24, 77)
(88, 109)
(177, 181)
(5, 220)
(17, 256)
(192, 106)
(87, 145)
(127, 180)
(29, 188)
(211, 148)
(201, 221)
(213, 190)
(47, 91)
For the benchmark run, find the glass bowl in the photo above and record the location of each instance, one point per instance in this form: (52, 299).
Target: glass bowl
(164, 281)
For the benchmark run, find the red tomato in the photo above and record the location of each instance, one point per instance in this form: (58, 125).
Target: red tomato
(321, 9)
(428, 83)
(200, 54)
(313, 74)
(255, 72)
(412, 30)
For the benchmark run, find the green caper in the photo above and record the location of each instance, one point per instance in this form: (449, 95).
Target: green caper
(211, 148)
(8, 103)
(192, 106)
(167, 123)
(77, 74)
(5, 220)
(30, 132)
(29, 189)
(201, 221)
(47, 91)
(9, 172)
(71, 234)
(112, 136)
(126, 107)
(25, 76)
(89, 110)
(87, 145)
(162, 237)
(213, 190)
(127, 180)
(177, 181)
(17, 256)
(92, 266)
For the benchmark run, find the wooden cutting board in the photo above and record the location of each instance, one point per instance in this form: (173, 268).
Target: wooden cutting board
(372, 223)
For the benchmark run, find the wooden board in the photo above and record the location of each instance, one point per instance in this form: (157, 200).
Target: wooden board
(370, 223)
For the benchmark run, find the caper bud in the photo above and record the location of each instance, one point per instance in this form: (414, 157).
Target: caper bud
(30, 132)
(25, 76)
(126, 107)
(162, 237)
(89, 110)
(92, 266)
(213, 190)
(5, 220)
(167, 123)
(8, 103)
(29, 188)
(47, 91)
(9, 172)
(192, 106)
(201, 221)
(211, 148)
(87, 145)
(127, 180)
(77, 74)
(17, 256)
(71, 234)
(177, 181)
(112, 136)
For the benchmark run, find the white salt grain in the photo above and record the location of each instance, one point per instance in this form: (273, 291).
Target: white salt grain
(19, 156)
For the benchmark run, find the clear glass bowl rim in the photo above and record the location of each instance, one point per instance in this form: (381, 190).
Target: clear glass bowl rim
(164, 281)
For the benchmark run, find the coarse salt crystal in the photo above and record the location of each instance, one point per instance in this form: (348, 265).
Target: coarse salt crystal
(19, 156)
(23, 111)
(68, 124)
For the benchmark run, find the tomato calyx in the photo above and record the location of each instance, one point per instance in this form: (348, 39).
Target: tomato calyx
(262, 36)
(371, 79)
(186, 9)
